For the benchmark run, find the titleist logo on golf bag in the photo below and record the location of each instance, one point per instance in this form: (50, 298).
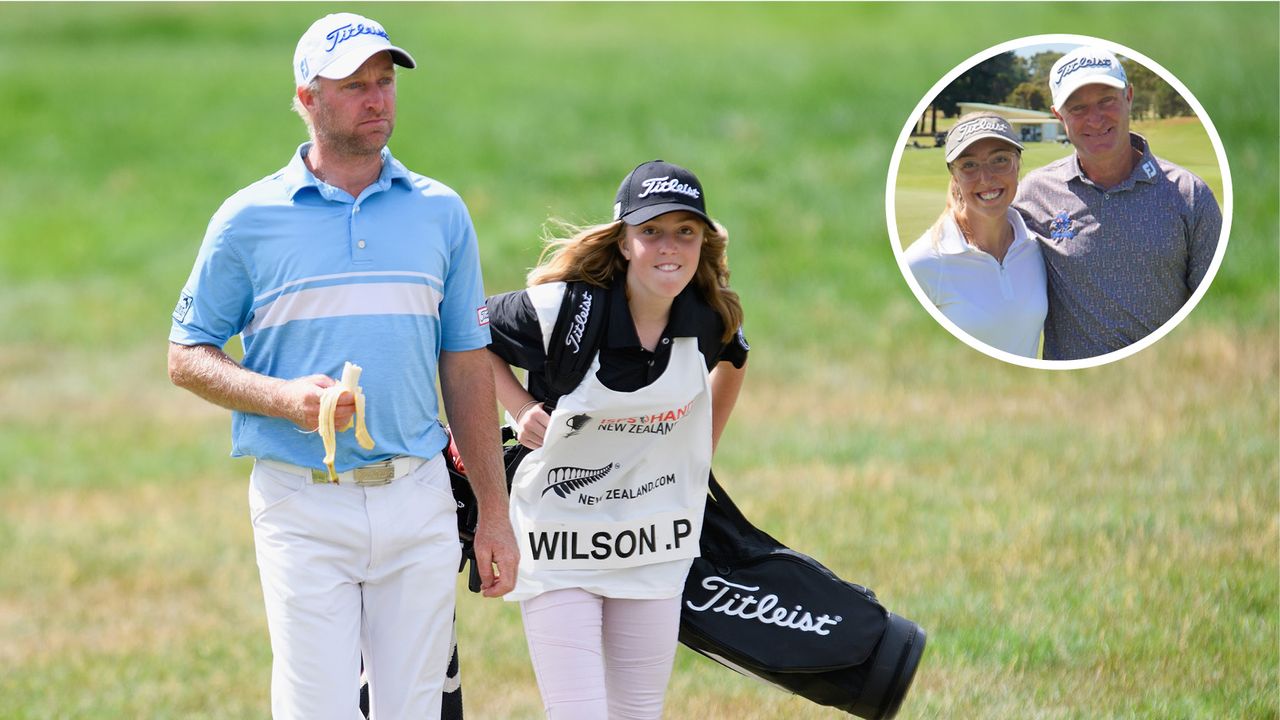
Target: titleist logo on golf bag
(579, 324)
(763, 610)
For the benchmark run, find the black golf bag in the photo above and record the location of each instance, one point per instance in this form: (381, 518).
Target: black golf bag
(758, 607)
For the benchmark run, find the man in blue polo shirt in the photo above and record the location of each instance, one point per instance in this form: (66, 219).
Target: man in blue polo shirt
(345, 255)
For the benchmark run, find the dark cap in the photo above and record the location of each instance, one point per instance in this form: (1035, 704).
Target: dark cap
(656, 188)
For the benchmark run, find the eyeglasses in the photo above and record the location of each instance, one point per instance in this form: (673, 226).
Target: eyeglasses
(997, 163)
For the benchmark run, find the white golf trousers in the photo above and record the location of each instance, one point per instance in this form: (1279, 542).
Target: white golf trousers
(598, 657)
(349, 570)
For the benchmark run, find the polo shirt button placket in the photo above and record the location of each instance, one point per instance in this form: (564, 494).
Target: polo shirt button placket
(361, 244)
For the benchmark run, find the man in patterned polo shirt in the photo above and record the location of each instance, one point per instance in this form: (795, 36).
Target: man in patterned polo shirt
(1127, 237)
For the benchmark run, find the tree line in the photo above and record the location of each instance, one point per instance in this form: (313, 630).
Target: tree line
(1007, 79)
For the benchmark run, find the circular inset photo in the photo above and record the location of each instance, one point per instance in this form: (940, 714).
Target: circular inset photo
(1059, 201)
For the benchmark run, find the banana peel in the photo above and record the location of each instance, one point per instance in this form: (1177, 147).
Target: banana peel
(349, 383)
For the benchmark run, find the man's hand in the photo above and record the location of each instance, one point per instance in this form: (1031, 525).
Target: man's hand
(299, 402)
(497, 557)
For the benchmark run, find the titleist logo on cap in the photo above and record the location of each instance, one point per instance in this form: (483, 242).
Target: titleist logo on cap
(964, 130)
(1082, 63)
(339, 35)
(667, 185)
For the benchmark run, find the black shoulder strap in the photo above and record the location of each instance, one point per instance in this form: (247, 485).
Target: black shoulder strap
(575, 337)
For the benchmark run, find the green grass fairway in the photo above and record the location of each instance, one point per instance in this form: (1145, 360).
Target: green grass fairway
(1083, 545)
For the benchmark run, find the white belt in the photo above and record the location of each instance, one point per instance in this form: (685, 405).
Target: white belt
(379, 473)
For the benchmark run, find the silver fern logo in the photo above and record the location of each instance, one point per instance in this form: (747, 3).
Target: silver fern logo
(564, 480)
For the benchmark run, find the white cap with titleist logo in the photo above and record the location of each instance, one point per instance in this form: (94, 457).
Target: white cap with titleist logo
(337, 45)
(1085, 65)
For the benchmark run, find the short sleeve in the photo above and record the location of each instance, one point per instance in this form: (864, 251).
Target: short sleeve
(463, 321)
(735, 351)
(516, 334)
(216, 302)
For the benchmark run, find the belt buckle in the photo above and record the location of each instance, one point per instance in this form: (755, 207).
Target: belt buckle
(379, 473)
(373, 474)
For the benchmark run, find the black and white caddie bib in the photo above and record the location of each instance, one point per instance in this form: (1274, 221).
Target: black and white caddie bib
(612, 502)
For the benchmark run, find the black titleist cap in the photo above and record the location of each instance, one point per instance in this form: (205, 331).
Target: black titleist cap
(656, 188)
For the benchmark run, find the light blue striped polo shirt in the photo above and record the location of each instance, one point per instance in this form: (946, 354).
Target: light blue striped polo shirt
(310, 278)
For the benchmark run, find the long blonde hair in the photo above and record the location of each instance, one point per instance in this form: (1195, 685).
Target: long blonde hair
(954, 202)
(593, 254)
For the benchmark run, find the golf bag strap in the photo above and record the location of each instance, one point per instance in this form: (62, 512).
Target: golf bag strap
(575, 338)
(727, 506)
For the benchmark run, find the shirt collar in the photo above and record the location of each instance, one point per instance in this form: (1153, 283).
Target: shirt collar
(1145, 170)
(621, 332)
(298, 176)
(952, 241)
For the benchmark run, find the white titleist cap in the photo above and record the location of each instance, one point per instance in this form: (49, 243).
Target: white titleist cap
(337, 45)
(1084, 66)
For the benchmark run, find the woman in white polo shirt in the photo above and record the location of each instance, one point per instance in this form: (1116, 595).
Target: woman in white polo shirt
(979, 264)
(608, 506)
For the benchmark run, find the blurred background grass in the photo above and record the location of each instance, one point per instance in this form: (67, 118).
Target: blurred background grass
(1090, 544)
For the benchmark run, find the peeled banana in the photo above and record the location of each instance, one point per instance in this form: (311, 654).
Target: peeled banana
(350, 382)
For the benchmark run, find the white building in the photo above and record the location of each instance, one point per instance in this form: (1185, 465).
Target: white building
(1031, 125)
